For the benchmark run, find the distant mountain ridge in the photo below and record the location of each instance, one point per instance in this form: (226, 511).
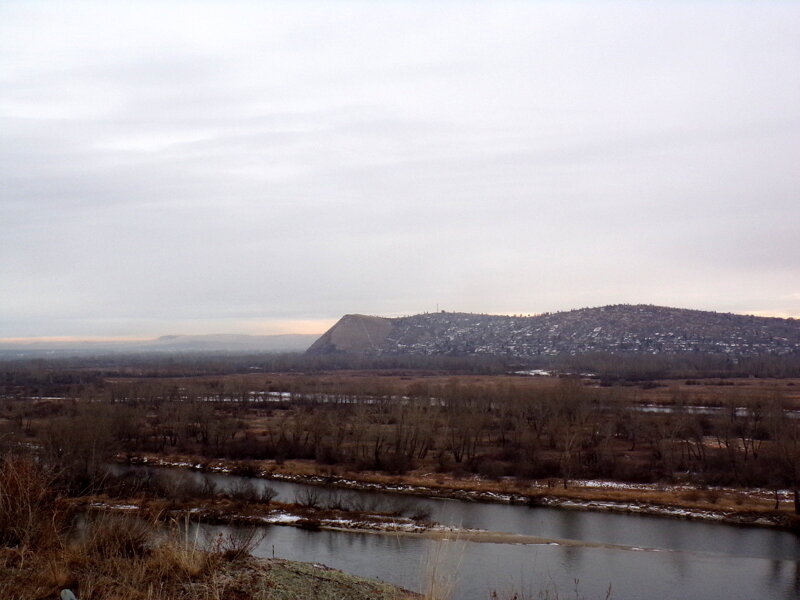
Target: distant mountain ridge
(169, 344)
(233, 342)
(622, 328)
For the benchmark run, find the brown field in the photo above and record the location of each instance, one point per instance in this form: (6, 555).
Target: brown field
(708, 392)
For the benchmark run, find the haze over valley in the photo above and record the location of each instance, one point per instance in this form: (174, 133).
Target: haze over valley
(399, 300)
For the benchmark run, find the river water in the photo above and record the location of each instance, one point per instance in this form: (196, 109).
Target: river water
(678, 559)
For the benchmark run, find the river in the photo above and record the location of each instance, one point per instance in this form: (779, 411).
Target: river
(670, 558)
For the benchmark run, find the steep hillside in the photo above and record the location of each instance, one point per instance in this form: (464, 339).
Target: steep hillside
(354, 334)
(641, 329)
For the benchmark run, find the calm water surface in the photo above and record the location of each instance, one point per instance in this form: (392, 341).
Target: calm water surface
(707, 561)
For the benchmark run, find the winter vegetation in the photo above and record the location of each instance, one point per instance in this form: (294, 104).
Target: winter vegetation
(705, 448)
(49, 543)
(740, 433)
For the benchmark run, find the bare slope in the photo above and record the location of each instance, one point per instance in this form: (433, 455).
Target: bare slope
(642, 329)
(354, 334)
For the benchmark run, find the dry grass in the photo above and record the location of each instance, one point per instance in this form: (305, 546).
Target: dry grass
(113, 557)
(102, 555)
(175, 570)
(29, 511)
(441, 572)
(44, 548)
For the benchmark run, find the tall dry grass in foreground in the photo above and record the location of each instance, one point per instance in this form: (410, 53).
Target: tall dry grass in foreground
(29, 513)
(441, 572)
(441, 569)
(549, 592)
(45, 547)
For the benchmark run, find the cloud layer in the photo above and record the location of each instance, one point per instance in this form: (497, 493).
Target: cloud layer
(192, 167)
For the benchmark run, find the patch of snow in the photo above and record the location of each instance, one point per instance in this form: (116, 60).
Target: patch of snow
(534, 373)
(281, 518)
(114, 506)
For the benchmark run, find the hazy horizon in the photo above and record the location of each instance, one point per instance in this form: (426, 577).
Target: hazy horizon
(310, 330)
(266, 167)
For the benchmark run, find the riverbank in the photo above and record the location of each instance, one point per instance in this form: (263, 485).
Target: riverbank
(736, 506)
(246, 577)
(226, 512)
(278, 579)
(50, 542)
(289, 515)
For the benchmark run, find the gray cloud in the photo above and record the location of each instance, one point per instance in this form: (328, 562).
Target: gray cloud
(184, 166)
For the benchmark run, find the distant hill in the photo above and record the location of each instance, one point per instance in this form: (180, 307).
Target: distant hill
(168, 344)
(234, 343)
(639, 329)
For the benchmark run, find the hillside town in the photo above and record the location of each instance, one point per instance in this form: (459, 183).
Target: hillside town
(640, 329)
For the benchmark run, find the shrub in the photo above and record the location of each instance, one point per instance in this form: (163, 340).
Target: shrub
(246, 469)
(110, 535)
(327, 455)
(236, 543)
(691, 495)
(308, 498)
(247, 491)
(28, 513)
(183, 486)
(421, 514)
(309, 524)
(336, 501)
(491, 469)
(397, 464)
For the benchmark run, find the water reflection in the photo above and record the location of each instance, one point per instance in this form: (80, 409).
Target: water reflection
(700, 560)
(612, 528)
(531, 569)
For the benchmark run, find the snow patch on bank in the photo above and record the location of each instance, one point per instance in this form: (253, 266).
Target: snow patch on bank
(106, 506)
(281, 518)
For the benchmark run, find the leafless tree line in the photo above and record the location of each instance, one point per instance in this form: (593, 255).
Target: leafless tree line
(564, 431)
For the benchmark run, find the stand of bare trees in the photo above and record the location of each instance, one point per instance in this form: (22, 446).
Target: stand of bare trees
(567, 429)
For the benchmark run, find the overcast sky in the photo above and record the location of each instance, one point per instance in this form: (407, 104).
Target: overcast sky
(265, 167)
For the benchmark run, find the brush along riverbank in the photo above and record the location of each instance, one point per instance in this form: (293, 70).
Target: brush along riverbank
(289, 515)
(740, 506)
(227, 512)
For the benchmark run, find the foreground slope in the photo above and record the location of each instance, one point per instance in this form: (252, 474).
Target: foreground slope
(642, 329)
